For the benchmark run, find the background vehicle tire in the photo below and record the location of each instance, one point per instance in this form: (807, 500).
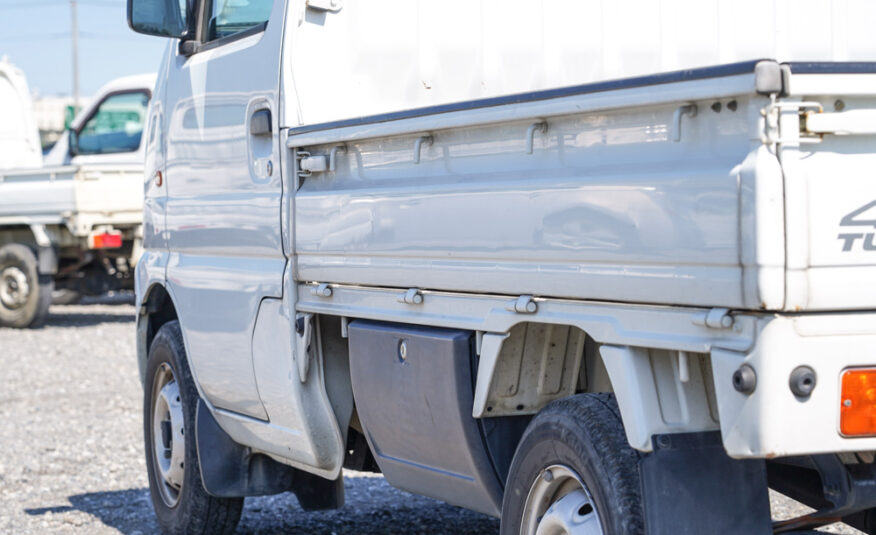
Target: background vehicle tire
(66, 297)
(574, 470)
(25, 295)
(170, 401)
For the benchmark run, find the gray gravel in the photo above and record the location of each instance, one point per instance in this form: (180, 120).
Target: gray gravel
(71, 451)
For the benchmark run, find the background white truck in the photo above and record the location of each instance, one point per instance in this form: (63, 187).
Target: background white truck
(19, 138)
(593, 267)
(73, 226)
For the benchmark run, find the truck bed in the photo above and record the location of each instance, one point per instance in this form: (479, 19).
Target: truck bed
(72, 195)
(628, 196)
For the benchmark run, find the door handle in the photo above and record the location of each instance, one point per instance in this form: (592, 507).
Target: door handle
(260, 123)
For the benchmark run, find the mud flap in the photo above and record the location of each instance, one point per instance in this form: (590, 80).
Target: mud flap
(690, 487)
(229, 470)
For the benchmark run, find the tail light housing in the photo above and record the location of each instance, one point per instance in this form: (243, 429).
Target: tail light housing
(105, 240)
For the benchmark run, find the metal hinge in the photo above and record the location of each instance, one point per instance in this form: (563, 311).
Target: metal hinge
(716, 318)
(309, 164)
(771, 113)
(524, 304)
(326, 5)
(322, 290)
(412, 297)
(845, 123)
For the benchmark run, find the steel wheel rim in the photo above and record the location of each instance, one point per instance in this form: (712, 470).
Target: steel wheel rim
(168, 435)
(559, 503)
(14, 288)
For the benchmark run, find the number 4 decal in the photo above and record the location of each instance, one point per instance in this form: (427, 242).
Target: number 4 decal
(852, 220)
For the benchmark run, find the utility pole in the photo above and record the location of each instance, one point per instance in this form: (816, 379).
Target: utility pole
(74, 35)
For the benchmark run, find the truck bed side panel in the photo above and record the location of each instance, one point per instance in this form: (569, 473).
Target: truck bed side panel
(40, 196)
(608, 206)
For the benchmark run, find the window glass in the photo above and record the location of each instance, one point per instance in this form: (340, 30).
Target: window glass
(228, 17)
(116, 126)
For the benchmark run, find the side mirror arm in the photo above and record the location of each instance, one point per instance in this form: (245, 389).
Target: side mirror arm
(188, 46)
(73, 142)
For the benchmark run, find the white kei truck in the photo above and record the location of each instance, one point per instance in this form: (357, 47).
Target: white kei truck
(70, 223)
(589, 266)
(19, 136)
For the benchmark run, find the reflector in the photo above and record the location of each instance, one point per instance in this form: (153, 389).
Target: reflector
(858, 402)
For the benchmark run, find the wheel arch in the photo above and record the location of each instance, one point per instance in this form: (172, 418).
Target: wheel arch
(38, 239)
(156, 309)
(532, 364)
(658, 390)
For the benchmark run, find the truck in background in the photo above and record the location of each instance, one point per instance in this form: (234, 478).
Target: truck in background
(73, 226)
(19, 138)
(592, 267)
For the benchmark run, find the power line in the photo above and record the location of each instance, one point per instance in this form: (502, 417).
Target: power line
(66, 35)
(35, 37)
(74, 29)
(32, 3)
(41, 3)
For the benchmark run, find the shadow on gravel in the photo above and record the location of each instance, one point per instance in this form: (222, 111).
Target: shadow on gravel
(125, 510)
(84, 319)
(121, 298)
(372, 508)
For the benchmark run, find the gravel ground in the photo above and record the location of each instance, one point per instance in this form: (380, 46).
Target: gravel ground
(71, 449)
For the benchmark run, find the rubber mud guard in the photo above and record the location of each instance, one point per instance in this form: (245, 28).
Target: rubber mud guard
(691, 487)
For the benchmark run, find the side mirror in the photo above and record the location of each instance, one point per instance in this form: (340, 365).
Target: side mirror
(164, 18)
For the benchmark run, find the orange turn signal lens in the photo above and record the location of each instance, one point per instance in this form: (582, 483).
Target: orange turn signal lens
(858, 403)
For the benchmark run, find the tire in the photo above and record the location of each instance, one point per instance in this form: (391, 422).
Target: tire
(25, 295)
(66, 297)
(574, 457)
(181, 503)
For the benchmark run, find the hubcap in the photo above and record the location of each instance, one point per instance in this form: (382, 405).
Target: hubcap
(14, 289)
(559, 503)
(168, 435)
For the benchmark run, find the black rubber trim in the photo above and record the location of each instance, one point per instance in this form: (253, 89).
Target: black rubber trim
(209, 45)
(730, 69)
(833, 67)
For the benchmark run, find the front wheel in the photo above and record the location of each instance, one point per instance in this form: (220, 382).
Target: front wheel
(574, 473)
(181, 503)
(25, 296)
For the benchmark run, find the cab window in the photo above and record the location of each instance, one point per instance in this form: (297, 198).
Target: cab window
(229, 17)
(116, 126)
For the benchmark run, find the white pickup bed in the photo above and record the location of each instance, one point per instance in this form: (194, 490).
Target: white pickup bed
(78, 197)
(627, 195)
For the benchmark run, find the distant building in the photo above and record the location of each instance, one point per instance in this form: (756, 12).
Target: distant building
(52, 114)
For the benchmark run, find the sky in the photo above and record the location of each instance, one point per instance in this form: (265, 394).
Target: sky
(35, 35)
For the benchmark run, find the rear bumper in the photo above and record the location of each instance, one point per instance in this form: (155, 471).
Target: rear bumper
(772, 421)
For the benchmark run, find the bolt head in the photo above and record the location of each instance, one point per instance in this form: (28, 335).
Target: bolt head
(745, 379)
(548, 475)
(802, 381)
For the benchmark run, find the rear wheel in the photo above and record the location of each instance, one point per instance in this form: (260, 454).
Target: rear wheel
(181, 503)
(574, 473)
(25, 296)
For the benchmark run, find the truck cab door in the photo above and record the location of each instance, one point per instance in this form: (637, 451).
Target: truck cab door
(224, 192)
